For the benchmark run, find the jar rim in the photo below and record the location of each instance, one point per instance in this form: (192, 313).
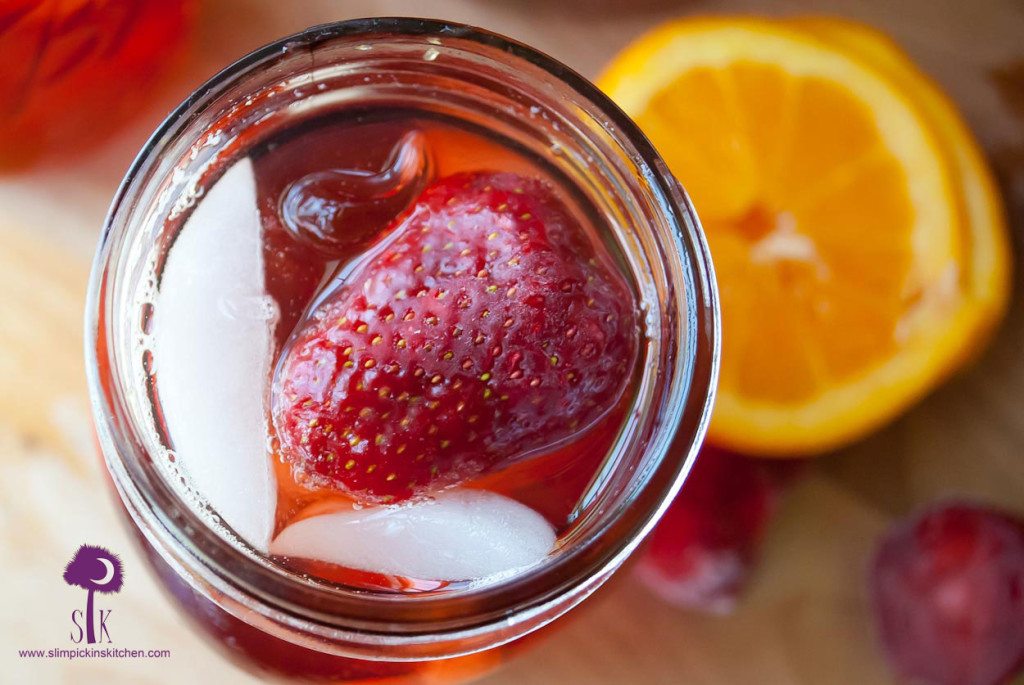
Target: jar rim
(409, 619)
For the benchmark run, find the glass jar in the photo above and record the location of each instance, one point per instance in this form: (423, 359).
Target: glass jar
(292, 624)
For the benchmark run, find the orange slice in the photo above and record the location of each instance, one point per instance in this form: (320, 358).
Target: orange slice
(834, 220)
(986, 262)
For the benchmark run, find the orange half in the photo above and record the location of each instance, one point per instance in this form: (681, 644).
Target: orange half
(833, 216)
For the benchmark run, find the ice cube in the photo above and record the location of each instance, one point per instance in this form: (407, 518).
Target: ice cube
(461, 534)
(212, 349)
(339, 210)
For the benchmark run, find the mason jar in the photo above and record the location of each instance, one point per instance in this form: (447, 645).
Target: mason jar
(268, 615)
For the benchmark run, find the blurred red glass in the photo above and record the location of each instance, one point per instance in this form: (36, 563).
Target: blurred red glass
(72, 71)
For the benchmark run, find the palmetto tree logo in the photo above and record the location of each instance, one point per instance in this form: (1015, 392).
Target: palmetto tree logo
(94, 569)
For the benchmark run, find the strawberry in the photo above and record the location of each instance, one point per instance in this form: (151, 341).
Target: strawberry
(948, 592)
(330, 213)
(488, 327)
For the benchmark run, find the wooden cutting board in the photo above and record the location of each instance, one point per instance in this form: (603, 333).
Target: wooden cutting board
(804, 619)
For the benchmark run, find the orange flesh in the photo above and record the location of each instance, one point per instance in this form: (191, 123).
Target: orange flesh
(780, 173)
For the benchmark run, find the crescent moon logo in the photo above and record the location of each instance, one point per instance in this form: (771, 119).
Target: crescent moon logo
(108, 576)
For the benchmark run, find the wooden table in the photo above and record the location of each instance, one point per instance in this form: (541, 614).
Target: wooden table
(804, 619)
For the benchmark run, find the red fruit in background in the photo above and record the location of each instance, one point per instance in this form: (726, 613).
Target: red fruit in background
(73, 70)
(489, 327)
(701, 553)
(948, 592)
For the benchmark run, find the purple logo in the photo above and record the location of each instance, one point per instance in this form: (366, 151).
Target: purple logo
(94, 569)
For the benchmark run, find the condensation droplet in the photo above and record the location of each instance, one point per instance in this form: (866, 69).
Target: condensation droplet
(147, 362)
(146, 318)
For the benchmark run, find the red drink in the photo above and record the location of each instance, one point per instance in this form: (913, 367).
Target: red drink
(414, 343)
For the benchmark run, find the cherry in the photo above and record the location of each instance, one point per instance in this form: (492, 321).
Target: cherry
(700, 554)
(947, 587)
